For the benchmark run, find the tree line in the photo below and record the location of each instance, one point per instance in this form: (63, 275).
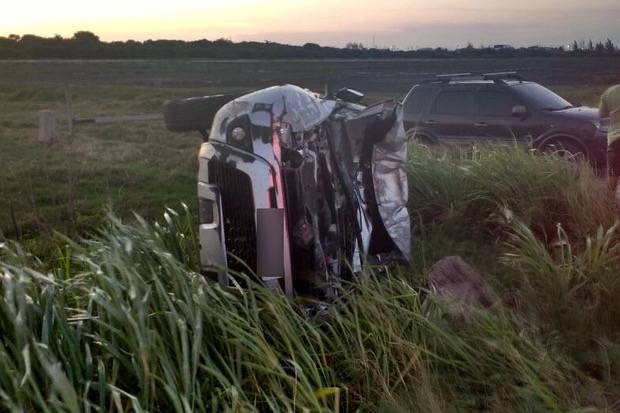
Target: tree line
(590, 48)
(87, 45)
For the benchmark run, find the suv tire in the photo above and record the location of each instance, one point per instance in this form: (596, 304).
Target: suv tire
(565, 149)
(420, 138)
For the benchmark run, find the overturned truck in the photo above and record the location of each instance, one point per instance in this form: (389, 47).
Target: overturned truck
(298, 190)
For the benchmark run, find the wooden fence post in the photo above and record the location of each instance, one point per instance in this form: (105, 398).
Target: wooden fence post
(47, 126)
(69, 109)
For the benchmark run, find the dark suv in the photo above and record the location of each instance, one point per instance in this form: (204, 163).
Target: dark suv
(503, 108)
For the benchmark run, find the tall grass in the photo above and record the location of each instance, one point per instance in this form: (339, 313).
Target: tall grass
(571, 294)
(545, 234)
(124, 322)
(133, 328)
(465, 195)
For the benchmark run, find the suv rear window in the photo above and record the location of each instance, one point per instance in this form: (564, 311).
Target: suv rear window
(418, 99)
(455, 102)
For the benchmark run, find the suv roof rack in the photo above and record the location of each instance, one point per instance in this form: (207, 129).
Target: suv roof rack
(497, 77)
(450, 76)
(503, 76)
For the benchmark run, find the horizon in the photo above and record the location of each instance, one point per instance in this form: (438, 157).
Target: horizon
(399, 24)
(583, 43)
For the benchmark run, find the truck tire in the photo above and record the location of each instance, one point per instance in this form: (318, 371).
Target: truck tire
(193, 114)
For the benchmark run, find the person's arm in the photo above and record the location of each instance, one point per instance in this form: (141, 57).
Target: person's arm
(603, 110)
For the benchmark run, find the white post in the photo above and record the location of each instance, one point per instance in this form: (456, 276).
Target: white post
(47, 126)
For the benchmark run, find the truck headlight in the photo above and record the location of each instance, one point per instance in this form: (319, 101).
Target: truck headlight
(238, 134)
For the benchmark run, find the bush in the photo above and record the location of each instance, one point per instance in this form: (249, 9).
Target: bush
(464, 197)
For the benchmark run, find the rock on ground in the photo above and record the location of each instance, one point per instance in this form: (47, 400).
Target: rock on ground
(458, 284)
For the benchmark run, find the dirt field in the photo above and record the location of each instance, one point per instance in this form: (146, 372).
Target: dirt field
(380, 77)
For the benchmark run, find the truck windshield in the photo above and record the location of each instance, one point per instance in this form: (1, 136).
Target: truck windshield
(542, 97)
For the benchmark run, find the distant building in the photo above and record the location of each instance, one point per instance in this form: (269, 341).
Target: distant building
(502, 47)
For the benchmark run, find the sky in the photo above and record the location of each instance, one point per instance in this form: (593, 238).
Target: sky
(402, 24)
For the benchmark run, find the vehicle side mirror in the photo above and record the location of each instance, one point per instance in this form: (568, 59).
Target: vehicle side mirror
(519, 111)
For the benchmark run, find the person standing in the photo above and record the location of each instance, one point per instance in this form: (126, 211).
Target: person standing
(610, 108)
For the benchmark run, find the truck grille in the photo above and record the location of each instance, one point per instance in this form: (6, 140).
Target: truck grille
(237, 212)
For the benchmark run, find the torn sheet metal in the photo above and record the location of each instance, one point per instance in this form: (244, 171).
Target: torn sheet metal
(389, 172)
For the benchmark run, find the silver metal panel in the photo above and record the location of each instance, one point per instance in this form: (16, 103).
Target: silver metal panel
(212, 243)
(389, 171)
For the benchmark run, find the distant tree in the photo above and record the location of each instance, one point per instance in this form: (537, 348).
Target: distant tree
(223, 41)
(575, 46)
(14, 37)
(610, 47)
(85, 37)
(355, 46)
(311, 46)
(31, 39)
(599, 48)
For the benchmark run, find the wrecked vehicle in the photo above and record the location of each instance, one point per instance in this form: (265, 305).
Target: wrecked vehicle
(299, 190)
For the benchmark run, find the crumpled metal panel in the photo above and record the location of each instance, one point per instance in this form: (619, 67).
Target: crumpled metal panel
(290, 104)
(389, 167)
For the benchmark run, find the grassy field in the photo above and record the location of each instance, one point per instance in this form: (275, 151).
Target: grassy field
(69, 185)
(106, 313)
(121, 322)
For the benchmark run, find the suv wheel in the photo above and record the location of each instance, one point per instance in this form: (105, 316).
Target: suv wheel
(564, 149)
(429, 145)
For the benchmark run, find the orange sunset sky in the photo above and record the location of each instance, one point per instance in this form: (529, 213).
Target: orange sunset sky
(400, 23)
